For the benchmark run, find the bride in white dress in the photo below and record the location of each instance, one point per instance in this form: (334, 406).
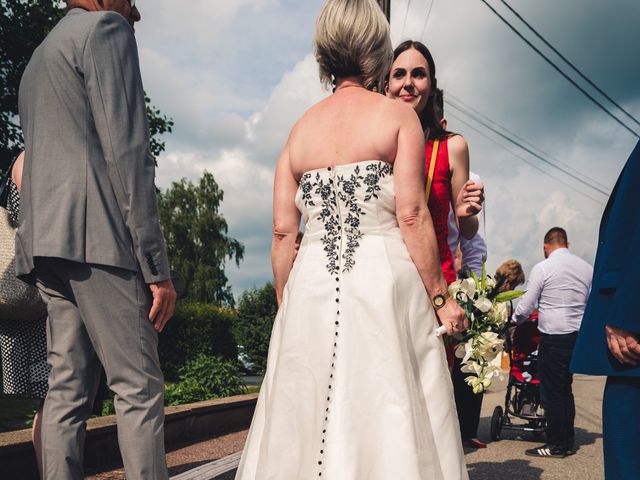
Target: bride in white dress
(357, 385)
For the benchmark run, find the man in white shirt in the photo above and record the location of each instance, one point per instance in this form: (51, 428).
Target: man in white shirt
(559, 286)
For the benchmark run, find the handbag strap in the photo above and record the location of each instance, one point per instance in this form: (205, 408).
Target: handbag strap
(4, 182)
(432, 169)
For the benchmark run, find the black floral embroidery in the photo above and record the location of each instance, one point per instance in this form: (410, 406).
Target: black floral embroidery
(343, 190)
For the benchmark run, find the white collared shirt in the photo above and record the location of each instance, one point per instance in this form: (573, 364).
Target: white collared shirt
(560, 286)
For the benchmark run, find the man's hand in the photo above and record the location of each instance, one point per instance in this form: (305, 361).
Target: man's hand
(452, 317)
(623, 345)
(164, 303)
(470, 199)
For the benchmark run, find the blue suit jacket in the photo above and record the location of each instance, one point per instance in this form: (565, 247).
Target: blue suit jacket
(615, 291)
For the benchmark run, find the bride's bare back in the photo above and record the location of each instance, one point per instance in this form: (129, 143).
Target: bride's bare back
(352, 125)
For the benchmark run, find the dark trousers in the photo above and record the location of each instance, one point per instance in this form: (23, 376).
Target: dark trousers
(468, 404)
(556, 395)
(621, 428)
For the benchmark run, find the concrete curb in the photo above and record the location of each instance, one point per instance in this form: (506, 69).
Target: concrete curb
(183, 425)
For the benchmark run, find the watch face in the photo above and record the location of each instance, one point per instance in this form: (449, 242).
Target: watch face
(438, 300)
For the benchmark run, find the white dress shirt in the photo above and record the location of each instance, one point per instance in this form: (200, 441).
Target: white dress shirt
(474, 250)
(560, 286)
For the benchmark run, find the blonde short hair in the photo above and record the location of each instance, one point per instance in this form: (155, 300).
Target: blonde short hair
(510, 271)
(352, 38)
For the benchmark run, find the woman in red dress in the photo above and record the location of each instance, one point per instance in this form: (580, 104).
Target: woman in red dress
(413, 80)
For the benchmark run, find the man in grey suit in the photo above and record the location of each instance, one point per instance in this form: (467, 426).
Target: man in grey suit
(89, 235)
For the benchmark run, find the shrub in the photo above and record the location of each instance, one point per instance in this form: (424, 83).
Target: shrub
(196, 329)
(257, 310)
(204, 378)
(108, 408)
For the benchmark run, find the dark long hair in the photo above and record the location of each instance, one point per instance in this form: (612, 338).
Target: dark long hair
(430, 123)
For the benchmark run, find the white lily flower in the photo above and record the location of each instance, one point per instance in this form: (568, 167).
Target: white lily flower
(454, 288)
(471, 367)
(498, 314)
(468, 286)
(492, 371)
(483, 304)
(489, 345)
(476, 383)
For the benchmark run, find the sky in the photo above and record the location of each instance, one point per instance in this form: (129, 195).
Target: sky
(235, 76)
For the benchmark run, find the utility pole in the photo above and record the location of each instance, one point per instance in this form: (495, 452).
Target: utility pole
(385, 5)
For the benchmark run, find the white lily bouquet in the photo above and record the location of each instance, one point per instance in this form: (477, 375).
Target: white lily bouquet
(487, 312)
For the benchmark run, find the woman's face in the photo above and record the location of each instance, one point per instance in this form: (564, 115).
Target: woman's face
(409, 79)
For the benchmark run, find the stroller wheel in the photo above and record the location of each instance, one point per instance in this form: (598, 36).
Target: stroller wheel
(496, 423)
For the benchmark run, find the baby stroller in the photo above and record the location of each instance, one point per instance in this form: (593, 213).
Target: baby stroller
(522, 400)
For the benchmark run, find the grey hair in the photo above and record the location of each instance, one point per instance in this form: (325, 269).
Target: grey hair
(352, 39)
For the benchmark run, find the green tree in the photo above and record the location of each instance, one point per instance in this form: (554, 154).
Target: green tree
(197, 240)
(23, 26)
(257, 310)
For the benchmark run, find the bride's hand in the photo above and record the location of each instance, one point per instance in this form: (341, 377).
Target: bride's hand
(452, 317)
(470, 199)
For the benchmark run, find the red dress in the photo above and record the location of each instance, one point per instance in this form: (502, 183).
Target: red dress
(440, 203)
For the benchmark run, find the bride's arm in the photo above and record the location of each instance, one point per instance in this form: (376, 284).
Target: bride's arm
(286, 222)
(415, 220)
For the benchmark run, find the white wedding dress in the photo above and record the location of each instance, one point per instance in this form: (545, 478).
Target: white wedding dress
(357, 385)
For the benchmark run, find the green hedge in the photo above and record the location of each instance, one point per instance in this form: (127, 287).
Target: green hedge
(196, 329)
(205, 378)
(257, 310)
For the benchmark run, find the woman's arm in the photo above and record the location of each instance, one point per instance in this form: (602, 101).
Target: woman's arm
(16, 172)
(466, 196)
(415, 221)
(286, 223)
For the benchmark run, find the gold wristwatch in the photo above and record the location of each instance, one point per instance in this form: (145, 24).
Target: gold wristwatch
(440, 299)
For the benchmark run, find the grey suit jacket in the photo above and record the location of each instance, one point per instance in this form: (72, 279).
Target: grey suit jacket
(88, 182)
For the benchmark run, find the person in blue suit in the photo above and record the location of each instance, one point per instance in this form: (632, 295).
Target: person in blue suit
(608, 342)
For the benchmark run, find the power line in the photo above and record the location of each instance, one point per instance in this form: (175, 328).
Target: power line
(568, 62)
(550, 62)
(530, 163)
(426, 20)
(529, 144)
(528, 150)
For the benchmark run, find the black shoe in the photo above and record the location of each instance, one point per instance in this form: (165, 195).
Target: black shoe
(546, 451)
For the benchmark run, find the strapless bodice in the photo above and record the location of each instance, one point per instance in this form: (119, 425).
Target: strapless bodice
(342, 204)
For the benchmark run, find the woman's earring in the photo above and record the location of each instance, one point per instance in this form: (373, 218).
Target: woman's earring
(333, 82)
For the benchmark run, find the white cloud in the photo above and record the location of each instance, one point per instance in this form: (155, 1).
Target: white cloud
(235, 76)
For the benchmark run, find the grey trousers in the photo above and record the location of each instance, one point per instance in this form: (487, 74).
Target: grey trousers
(100, 314)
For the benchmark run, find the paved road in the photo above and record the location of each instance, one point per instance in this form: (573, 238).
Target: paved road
(505, 459)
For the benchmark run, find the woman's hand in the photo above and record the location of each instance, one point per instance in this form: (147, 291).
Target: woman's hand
(452, 317)
(470, 199)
